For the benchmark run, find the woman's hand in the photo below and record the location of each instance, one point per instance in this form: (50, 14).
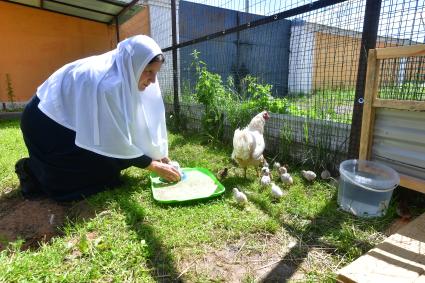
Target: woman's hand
(165, 171)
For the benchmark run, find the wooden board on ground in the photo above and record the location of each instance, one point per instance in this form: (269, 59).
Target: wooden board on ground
(399, 259)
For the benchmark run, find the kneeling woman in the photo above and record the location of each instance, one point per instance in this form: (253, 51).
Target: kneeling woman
(93, 118)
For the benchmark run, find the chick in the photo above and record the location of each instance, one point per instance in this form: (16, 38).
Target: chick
(276, 165)
(325, 175)
(309, 175)
(222, 173)
(265, 180)
(265, 163)
(276, 191)
(282, 170)
(286, 179)
(265, 170)
(402, 210)
(239, 196)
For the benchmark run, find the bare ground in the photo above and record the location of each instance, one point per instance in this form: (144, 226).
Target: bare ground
(264, 258)
(35, 221)
(255, 258)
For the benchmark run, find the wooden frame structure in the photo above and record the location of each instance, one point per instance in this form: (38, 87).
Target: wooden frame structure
(398, 259)
(371, 102)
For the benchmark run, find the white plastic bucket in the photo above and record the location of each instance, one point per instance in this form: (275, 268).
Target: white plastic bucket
(366, 187)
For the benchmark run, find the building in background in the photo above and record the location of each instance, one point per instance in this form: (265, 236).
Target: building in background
(37, 41)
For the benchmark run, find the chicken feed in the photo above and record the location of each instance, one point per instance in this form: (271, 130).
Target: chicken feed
(195, 185)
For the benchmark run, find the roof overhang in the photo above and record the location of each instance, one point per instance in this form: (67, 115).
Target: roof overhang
(103, 11)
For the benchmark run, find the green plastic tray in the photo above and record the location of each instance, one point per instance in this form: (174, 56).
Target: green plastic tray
(196, 184)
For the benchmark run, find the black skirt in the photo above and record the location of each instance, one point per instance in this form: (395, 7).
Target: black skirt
(64, 171)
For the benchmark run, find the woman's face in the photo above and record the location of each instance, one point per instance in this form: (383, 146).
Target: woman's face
(149, 74)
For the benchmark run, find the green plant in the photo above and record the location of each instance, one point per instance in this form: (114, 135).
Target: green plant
(306, 131)
(9, 89)
(323, 104)
(407, 90)
(286, 143)
(258, 97)
(211, 92)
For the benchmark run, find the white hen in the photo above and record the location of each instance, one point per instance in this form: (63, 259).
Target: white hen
(240, 197)
(248, 143)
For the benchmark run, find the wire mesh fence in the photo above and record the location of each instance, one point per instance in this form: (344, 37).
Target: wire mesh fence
(301, 60)
(403, 79)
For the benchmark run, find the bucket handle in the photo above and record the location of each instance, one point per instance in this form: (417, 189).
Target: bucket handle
(370, 189)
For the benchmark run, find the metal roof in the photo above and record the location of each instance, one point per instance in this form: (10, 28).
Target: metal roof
(103, 11)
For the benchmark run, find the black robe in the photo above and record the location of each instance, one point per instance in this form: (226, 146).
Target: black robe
(62, 170)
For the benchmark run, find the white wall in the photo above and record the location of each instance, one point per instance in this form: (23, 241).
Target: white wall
(301, 56)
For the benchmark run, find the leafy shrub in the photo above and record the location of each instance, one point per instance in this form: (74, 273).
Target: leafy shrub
(212, 93)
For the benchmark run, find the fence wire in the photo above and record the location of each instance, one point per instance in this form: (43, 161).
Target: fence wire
(403, 79)
(308, 62)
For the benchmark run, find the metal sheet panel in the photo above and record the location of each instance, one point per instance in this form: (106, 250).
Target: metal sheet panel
(77, 12)
(100, 11)
(399, 141)
(94, 5)
(35, 3)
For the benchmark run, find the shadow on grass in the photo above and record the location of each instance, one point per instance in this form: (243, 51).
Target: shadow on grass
(47, 218)
(329, 221)
(160, 262)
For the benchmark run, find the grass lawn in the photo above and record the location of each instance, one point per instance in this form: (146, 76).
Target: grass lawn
(302, 237)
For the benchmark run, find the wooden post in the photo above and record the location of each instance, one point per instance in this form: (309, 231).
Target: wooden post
(175, 73)
(371, 90)
(369, 36)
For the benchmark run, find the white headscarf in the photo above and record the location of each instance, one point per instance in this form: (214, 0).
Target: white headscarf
(98, 98)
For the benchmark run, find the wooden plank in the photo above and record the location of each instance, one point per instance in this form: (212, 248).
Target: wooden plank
(368, 117)
(400, 51)
(400, 104)
(412, 183)
(399, 259)
(371, 102)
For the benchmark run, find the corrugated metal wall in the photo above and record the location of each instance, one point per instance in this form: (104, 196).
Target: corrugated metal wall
(399, 141)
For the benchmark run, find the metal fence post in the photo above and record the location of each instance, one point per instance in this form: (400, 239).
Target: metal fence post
(174, 53)
(369, 36)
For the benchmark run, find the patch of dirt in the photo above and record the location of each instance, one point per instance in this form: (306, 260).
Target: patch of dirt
(36, 221)
(220, 264)
(396, 225)
(244, 260)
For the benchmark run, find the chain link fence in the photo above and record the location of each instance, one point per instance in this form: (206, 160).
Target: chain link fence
(303, 61)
